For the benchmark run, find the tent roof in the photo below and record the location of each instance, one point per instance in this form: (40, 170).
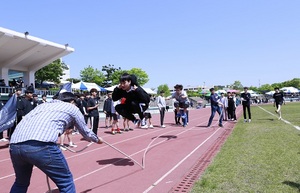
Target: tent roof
(22, 52)
(85, 86)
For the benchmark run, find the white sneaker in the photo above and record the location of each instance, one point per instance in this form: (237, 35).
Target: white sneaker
(144, 127)
(163, 126)
(249, 120)
(63, 148)
(151, 126)
(72, 145)
(245, 120)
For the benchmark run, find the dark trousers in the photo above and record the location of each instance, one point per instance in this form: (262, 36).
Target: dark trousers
(162, 115)
(215, 109)
(248, 110)
(95, 123)
(127, 110)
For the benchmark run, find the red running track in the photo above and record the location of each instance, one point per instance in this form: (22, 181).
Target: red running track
(170, 154)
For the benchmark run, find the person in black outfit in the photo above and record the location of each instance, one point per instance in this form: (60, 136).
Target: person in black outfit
(137, 99)
(231, 106)
(278, 96)
(107, 110)
(245, 97)
(28, 103)
(92, 107)
(82, 105)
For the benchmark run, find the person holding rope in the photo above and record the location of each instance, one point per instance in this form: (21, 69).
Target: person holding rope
(216, 105)
(34, 142)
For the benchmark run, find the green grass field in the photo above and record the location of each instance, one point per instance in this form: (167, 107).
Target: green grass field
(261, 156)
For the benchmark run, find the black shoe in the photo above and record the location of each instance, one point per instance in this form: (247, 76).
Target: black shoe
(208, 126)
(220, 125)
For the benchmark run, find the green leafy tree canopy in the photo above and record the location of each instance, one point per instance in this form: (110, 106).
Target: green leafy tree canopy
(89, 74)
(51, 72)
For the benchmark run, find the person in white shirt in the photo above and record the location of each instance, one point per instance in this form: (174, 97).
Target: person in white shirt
(224, 101)
(161, 103)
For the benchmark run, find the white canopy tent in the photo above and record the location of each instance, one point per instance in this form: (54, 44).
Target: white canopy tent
(86, 86)
(252, 93)
(289, 90)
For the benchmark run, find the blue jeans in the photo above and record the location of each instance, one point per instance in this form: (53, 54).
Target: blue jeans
(213, 112)
(47, 157)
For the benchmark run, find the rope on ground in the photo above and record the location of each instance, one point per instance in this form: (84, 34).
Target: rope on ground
(124, 154)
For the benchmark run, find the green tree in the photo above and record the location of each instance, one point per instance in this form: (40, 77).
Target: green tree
(142, 76)
(110, 70)
(165, 88)
(237, 85)
(52, 72)
(89, 74)
(265, 88)
(115, 77)
(74, 80)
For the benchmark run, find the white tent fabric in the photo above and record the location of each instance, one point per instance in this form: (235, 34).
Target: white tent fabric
(85, 86)
(252, 93)
(270, 93)
(290, 90)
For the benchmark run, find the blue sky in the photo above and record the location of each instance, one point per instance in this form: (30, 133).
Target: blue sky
(176, 42)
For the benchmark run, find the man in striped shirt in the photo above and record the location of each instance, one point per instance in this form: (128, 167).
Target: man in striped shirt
(33, 142)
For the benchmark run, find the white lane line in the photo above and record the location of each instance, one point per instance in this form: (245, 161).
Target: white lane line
(179, 163)
(285, 121)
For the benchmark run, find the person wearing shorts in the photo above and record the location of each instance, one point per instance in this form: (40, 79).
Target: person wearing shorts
(278, 101)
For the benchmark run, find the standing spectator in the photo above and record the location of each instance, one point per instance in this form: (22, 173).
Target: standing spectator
(107, 110)
(19, 83)
(224, 101)
(231, 106)
(35, 99)
(92, 106)
(161, 103)
(19, 115)
(43, 100)
(27, 103)
(116, 117)
(278, 101)
(216, 105)
(82, 105)
(245, 97)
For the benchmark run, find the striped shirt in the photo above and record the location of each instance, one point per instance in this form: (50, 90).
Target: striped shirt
(48, 120)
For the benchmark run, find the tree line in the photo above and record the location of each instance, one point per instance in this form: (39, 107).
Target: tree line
(109, 75)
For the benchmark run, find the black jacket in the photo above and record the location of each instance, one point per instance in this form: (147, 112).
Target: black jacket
(139, 95)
